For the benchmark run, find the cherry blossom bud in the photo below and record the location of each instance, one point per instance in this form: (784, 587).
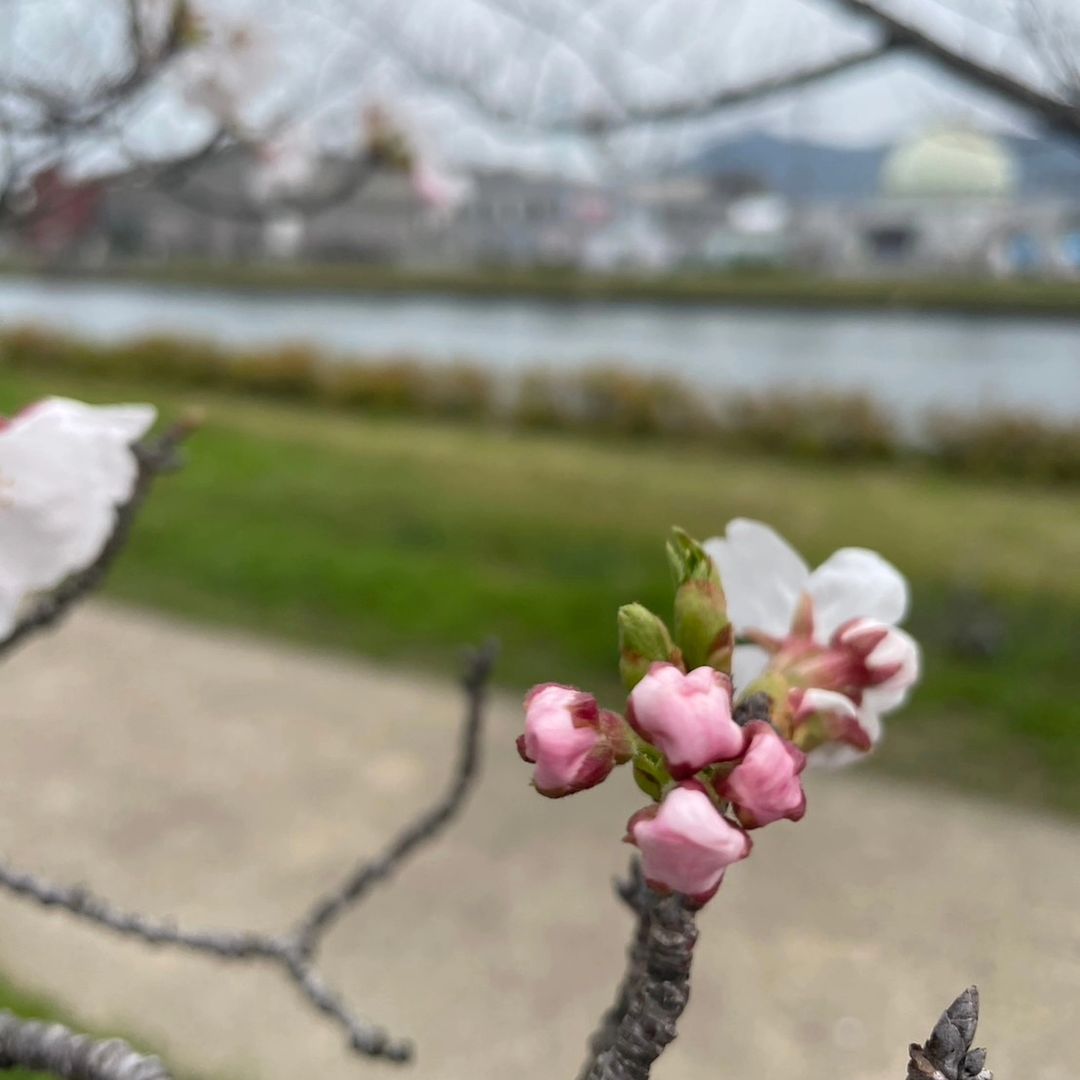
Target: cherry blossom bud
(765, 786)
(686, 844)
(702, 628)
(573, 743)
(826, 716)
(688, 716)
(643, 641)
(888, 658)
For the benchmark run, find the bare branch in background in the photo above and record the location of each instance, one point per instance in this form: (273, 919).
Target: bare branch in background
(292, 952)
(426, 827)
(1056, 113)
(52, 1048)
(350, 179)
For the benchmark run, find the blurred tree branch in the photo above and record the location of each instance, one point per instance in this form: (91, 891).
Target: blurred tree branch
(292, 952)
(54, 1049)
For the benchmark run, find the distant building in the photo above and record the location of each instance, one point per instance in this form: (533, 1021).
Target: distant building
(60, 217)
(947, 204)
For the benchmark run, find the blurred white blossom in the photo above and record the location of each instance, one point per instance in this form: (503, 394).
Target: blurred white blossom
(65, 467)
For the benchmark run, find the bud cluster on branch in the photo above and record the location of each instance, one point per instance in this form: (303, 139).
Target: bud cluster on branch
(766, 666)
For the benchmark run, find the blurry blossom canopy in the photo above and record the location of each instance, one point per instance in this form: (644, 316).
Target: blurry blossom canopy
(119, 85)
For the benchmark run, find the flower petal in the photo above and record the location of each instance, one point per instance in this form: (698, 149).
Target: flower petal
(856, 583)
(64, 467)
(747, 663)
(763, 576)
(836, 755)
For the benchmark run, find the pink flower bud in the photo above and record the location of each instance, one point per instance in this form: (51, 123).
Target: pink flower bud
(827, 716)
(888, 659)
(765, 786)
(686, 844)
(688, 716)
(571, 740)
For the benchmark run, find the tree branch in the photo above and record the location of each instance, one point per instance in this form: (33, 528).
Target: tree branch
(52, 1048)
(947, 1054)
(654, 992)
(426, 828)
(634, 893)
(1056, 113)
(292, 952)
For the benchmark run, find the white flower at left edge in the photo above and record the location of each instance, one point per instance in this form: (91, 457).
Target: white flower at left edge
(64, 469)
(766, 580)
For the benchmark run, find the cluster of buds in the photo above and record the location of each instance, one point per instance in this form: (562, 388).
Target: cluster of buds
(718, 759)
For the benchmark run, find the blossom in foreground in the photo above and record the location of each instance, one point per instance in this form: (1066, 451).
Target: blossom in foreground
(686, 844)
(833, 628)
(765, 785)
(65, 467)
(687, 716)
(573, 743)
(816, 658)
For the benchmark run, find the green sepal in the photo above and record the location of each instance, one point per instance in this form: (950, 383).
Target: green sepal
(650, 772)
(703, 631)
(688, 559)
(644, 640)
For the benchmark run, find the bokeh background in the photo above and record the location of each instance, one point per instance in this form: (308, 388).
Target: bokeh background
(476, 299)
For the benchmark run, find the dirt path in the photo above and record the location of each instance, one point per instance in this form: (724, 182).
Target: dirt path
(222, 780)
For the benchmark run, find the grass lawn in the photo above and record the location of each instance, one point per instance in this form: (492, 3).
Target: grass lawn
(403, 539)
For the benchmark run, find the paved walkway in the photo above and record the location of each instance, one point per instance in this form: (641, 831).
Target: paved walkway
(222, 780)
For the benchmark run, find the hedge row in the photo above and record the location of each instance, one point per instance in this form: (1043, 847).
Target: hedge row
(815, 425)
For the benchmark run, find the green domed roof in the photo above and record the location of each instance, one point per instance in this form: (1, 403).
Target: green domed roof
(949, 163)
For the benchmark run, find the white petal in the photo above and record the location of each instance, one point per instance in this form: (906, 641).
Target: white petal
(898, 648)
(747, 663)
(124, 423)
(64, 468)
(839, 755)
(763, 576)
(856, 583)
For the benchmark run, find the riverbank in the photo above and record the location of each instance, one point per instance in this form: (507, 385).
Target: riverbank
(401, 538)
(747, 288)
(797, 423)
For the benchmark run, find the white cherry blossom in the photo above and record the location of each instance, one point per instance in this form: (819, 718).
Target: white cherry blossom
(64, 468)
(766, 582)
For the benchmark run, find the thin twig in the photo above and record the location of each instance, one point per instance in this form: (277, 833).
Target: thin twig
(292, 952)
(52, 1048)
(371, 872)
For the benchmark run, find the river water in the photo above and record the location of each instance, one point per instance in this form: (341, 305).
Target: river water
(911, 362)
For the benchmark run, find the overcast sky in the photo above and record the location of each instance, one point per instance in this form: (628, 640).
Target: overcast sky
(429, 61)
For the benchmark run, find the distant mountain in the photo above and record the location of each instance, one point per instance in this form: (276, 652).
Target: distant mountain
(801, 169)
